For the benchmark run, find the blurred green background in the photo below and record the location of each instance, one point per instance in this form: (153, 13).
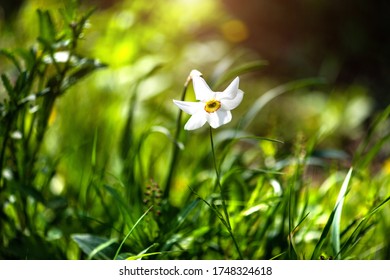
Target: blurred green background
(113, 130)
(345, 43)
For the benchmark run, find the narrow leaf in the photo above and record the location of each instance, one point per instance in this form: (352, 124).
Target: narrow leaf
(337, 218)
(101, 247)
(361, 227)
(212, 207)
(11, 57)
(275, 92)
(144, 253)
(7, 85)
(46, 26)
(240, 70)
(131, 230)
(85, 68)
(94, 246)
(329, 223)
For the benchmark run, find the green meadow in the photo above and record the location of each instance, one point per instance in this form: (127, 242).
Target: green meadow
(95, 162)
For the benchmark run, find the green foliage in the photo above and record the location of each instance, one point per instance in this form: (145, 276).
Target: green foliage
(43, 74)
(106, 170)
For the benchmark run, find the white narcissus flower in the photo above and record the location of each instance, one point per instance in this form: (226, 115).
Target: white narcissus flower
(213, 107)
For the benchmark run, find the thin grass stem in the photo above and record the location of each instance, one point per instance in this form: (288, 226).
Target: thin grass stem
(226, 218)
(131, 230)
(175, 148)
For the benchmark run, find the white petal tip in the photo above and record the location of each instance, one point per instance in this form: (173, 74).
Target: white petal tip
(195, 73)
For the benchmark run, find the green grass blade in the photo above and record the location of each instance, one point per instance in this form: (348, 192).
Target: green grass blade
(100, 248)
(278, 255)
(273, 93)
(293, 249)
(317, 249)
(240, 70)
(144, 253)
(361, 227)
(7, 85)
(95, 246)
(370, 155)
(46, 26)
(328, 225)
(184, 214)
(122, 205)
(138, 257)
(131, 230)
(94, 149)
(337, 217)
(11, 57)
(211, 206)
(169, 136)
(370, 147)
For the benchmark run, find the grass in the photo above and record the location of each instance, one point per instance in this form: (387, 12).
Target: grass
(81, 181)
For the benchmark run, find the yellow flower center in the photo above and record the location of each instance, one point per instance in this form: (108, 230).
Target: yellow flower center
(212, 106)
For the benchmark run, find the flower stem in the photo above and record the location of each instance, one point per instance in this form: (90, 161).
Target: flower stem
(175, 148)
(227, 219)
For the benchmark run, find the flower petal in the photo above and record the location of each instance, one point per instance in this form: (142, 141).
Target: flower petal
(231, 91)
(219, 118)
(196, 121)
(189, 107)
(232, 96)
(202, 90)
(230, 104)
(195, 73)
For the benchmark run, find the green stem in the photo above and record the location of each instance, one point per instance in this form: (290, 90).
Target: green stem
(4, 146)
(131, 230)
(175, 148)
(227, 219)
